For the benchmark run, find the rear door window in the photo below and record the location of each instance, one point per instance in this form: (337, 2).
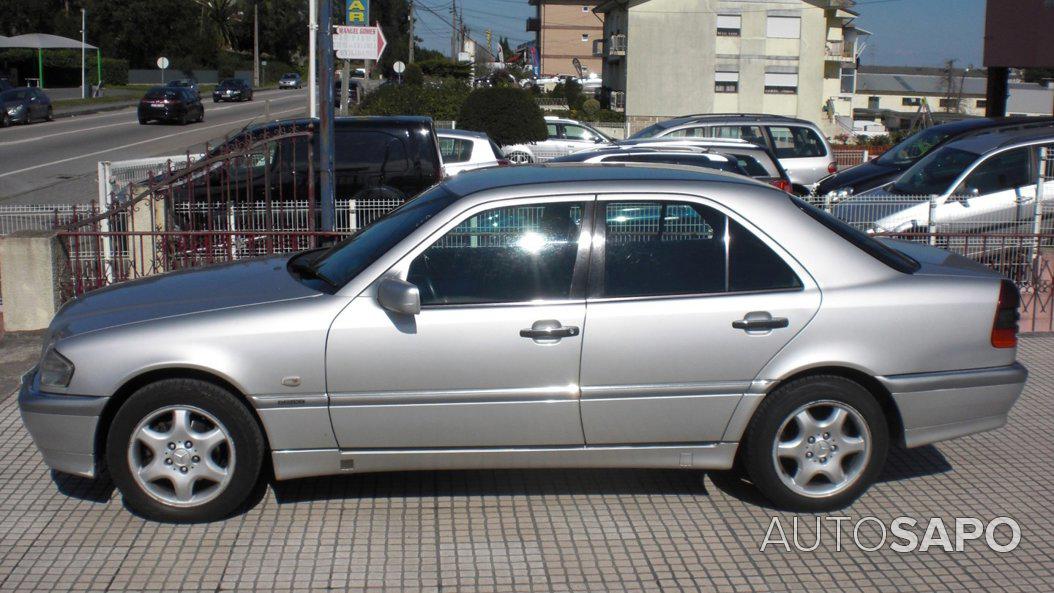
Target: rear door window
(752, 134)
(796, 142)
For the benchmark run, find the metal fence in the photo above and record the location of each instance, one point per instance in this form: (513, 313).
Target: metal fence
(116, 177)
(38, 217)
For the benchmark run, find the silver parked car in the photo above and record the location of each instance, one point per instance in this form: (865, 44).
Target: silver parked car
(566, 136)
(465, 150)
(799, 145)
(726, 321)
(983, 182)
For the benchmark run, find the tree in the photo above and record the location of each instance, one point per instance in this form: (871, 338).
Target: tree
(225, 15)
(508, 115)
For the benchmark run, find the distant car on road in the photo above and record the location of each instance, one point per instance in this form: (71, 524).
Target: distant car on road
(181, 105)
(799, 145)
(890, 165)
(185, 83)
(541, 316)
(290, 80)
(24, 105)
(233, 89)
(982, 182)
(565, 137)
(464, 150)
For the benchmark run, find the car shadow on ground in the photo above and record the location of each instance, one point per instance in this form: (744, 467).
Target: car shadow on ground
(99, 489)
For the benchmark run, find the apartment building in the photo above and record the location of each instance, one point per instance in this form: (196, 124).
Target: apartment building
(566, 30)
(664, 58)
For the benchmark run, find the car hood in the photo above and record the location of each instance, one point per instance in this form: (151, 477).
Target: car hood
(238, 284)
(861, 178)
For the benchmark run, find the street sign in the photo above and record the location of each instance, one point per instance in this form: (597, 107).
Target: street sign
(399, 67)
(162, 63)
(357, 12)
(358, 43)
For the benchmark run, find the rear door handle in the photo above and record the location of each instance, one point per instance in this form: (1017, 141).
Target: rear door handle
(549, 329)
(760, 321)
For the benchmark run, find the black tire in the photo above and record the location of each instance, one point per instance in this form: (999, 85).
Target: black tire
(143, 122)
(183, 119)
(235, 417)
(757, 453)
(201, 115)
(215, 100)
(6, 121)
(51, 114)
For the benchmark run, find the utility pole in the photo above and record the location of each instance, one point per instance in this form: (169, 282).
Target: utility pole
(453, 31)
(256, 44)
(411, 50)
(84, 41)
(325, 128)
(312, 82)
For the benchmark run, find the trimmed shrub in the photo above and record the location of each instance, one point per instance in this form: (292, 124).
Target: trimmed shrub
(590, 108)
(445, 69)
(507, 114)
(414, 75)
(440, 100)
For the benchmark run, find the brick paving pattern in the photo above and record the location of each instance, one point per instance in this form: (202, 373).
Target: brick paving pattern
(593, 530)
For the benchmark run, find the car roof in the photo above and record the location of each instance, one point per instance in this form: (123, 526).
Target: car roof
(629, 151)
(355, 121)
(982, 123)
(499, 177)
(997, 138)
(715, 118)
(462, 134)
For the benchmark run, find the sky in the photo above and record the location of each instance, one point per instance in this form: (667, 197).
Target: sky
(906, 32)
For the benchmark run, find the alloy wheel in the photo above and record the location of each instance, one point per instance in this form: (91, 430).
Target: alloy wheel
(181, 456)
(821, 448)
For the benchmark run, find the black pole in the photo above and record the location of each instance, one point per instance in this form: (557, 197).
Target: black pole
(998, 89)
(325, 113)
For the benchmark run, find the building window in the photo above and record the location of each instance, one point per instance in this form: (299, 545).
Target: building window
(784, 27)
(729, 25)
(781, 84)
(848, 86)
(874, 103)
(950, 103)
(585, 9)
(726, 82)
(911, 101)
(982, 104)
(585, 36)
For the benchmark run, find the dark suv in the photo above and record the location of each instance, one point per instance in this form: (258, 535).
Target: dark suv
(393, 158)
(900, 158)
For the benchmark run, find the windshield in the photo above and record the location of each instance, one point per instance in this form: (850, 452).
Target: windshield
(350, 257)
(650, 131)
(913, 148)
(935, 173)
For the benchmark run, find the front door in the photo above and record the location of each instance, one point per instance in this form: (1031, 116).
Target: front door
(997, 194)
(492, 359)
(686, 305)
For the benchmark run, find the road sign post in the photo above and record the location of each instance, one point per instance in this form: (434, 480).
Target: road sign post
(358, 43)
(162, 64)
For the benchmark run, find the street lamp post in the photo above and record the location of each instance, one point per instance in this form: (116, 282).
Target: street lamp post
(84, 41)
(325, 128)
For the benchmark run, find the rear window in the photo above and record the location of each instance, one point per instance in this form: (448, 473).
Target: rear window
(796, 142)
(753, 166)
(876, 249)
(162, 94)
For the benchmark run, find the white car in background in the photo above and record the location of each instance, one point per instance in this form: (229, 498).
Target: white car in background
(465, 150)
(565, 137)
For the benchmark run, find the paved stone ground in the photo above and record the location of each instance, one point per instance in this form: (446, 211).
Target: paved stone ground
(595, 530)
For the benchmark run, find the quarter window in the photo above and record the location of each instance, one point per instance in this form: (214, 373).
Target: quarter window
(675, 248)
(455, 150)
(794, 142)
(504, 255)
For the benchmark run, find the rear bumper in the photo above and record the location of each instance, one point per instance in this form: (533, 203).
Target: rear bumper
(62, 426)
(940, 406)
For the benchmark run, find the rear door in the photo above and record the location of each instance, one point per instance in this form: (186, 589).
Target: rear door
(802, 153)
(686, 305)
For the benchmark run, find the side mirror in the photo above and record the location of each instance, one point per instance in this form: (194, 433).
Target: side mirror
(399, 296)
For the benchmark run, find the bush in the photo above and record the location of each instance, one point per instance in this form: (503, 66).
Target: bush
(445, 69)
(508, 115)
(441, 100)
(414, 75)
(590, 108)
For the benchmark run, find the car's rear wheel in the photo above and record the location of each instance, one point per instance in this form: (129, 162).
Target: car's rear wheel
(6, 121)
(184, 450)
(519, 158)
(816, 444)
(143, 121)
(50, 114)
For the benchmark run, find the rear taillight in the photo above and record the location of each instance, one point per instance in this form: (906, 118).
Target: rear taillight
(832, 168)
(1004, 327)
(781, 184)
(504, 162)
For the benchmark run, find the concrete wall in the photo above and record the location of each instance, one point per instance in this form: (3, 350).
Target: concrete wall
(153, 76)
(32, 264)
(563, 22)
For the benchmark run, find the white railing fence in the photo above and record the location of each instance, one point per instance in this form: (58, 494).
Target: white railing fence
(116, 176)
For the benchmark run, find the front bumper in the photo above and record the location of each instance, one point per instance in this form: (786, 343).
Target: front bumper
(62, 426)
(940, 406)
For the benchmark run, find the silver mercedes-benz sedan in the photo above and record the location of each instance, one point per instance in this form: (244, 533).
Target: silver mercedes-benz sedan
(543, 316)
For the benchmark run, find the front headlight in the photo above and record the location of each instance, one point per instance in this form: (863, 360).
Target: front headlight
(55, 369)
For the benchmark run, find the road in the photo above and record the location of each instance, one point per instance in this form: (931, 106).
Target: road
(56, 162)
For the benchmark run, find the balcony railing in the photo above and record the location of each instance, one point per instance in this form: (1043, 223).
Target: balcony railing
(839, 51)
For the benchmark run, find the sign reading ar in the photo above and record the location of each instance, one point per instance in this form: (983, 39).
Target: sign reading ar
(358, 12)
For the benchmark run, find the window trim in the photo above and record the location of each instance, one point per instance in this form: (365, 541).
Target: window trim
(579, 276)
(595, 289)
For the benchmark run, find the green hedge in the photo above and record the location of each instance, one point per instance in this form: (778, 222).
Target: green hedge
(441, 100)
(508, 115)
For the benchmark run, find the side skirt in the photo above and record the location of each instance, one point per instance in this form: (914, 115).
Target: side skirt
(291, 464)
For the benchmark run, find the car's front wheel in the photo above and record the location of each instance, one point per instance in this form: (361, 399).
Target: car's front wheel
(184, 450)
(815, 444)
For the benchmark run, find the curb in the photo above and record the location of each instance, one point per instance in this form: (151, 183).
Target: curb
(99, 109)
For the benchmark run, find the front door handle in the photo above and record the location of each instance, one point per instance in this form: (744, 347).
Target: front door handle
(549, 329)
(760, 321)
